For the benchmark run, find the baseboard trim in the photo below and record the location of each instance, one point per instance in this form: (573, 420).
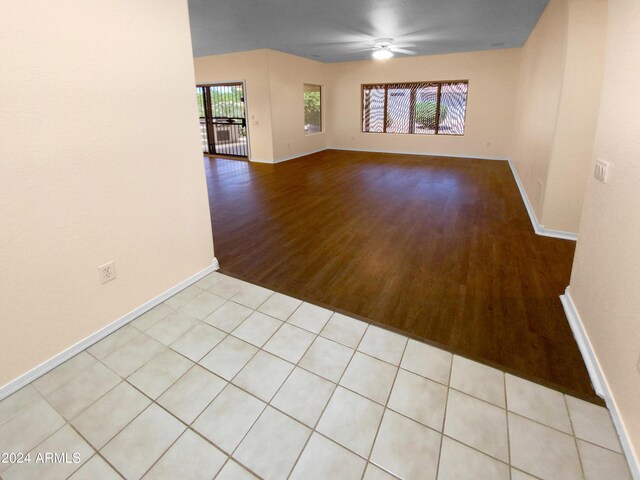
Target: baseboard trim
(598, 378)
(398, 152)
(584, 344)
(286, 159)
(537, 227)
(63, 356)
(280, 160)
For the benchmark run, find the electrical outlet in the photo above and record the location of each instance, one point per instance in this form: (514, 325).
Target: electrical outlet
(107, 272)
(601, 171)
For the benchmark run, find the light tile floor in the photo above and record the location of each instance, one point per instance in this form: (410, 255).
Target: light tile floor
(228, 380)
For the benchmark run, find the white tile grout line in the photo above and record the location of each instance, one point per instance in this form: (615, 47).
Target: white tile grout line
(315, 425)
(444, 416)
(285, 381)
(506, 419)
(154, 401)
(269, 403)
(386, 404)
(384, 412)
(229, 382)
(575, 439)
(198, 433)
(188, 426)
(96, 451)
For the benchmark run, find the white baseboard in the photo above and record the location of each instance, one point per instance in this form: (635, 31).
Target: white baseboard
(258, 160)
(598, 378)
(299, 155)
(537, 227)
(279, 160)
(398, 152)
(65, 355)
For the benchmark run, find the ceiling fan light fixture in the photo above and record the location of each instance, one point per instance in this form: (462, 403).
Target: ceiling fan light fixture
(382, 54)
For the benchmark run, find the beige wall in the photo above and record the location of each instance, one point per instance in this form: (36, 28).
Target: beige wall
(539, 90)
(492, 79)
(577, 115)
(605, 281)
(252, 68)
(492, 92)
(274, 95)
(288, 74)
(560, 75)
(99, 160)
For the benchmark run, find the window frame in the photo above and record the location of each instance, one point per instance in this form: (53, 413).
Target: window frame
(410, 85)
(321, 87)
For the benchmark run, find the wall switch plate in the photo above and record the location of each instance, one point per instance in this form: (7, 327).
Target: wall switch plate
(601, 171)
(107, 272)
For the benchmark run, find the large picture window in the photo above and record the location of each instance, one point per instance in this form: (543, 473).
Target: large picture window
(423, 108)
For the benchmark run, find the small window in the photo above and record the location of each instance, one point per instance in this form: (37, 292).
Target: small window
(312, 109)
(424, 108)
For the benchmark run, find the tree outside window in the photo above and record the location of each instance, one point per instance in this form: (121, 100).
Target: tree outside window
(312, 108)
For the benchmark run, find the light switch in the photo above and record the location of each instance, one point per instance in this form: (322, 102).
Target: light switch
(601, 171)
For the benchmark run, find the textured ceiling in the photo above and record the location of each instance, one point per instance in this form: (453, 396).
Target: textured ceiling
(334, 30)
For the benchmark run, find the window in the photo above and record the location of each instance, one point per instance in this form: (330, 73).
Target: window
(424, 108)
(312, 108)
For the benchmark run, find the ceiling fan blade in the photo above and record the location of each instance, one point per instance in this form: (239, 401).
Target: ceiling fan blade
(403, 51)
(364, 50)
(403, 45)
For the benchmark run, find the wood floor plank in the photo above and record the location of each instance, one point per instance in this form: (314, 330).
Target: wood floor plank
(440, 248)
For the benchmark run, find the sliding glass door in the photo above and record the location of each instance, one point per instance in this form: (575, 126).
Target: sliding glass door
(223, 124)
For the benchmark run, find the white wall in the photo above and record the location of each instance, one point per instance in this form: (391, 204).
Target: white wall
(605, 282)
(100, 160)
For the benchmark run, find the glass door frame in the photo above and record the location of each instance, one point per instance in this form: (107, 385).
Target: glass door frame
(209, 123)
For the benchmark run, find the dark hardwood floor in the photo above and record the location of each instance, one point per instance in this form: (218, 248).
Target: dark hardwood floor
(439, 248)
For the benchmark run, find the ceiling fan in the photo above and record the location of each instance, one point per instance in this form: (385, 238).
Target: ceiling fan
(384, 48)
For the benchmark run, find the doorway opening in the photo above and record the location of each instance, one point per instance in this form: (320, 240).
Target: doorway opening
(223, 123)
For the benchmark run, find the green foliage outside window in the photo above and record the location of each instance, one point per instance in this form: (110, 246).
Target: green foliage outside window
(312, 111)
(426, 114)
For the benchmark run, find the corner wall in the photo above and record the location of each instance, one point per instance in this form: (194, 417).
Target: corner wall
(605, 280)
(253, 68)
(275, 101)
(557, 107)
(288, 74)
(100, 160)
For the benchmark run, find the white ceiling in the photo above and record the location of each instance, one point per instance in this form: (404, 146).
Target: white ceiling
(333, 30)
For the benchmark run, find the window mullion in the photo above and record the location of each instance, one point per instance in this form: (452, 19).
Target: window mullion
(386, 106)
(413, 94)
(438, 109)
